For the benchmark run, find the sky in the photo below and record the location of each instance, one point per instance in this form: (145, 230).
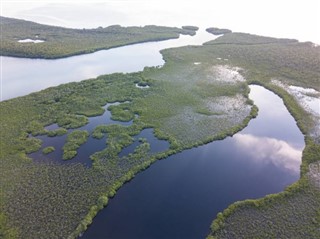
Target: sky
(299, 19)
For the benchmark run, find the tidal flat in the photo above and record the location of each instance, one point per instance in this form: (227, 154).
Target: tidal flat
(187, 105)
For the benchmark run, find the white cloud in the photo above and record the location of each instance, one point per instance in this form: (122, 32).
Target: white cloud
(270, 150)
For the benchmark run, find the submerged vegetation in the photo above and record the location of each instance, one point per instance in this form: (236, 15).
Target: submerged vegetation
(62, 42)
(186, 104)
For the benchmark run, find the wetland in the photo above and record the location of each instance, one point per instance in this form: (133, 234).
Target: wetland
(66, 150)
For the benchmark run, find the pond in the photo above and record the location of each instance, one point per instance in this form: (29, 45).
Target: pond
(179, 197)
(21, 76)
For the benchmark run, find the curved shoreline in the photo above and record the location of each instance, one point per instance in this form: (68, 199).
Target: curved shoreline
(58, 43)
(297, 113)
(295, 110)
(130, 175)
(85, 52)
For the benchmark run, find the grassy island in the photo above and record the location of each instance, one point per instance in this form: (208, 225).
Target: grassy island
(187, 104)
(48, 150)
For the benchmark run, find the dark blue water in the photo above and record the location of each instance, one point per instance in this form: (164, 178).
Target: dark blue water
(179, 197)
(104, 119)
(156, 145)
(86, 150)
(93, 145)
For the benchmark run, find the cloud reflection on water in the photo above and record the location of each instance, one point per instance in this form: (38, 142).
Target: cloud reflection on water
(270, 150)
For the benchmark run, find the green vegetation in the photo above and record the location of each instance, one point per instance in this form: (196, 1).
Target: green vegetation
(191, 28)
(121, 112)
(57, 132)
(218, 31)
(294, 212)
(48, 150)
(248, 39)
(74, 140)
(187, 104)
(63, 42)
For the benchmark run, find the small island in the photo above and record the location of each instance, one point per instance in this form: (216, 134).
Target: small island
(48, 150)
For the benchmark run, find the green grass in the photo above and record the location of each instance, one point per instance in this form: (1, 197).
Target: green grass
(186, 104)
(62, 42)
(48, 150)
(265, 58)
(294, 212)
(74, 140)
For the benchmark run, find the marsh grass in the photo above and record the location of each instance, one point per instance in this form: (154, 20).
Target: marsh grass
(185, 106)
(294, 212)
(62, 42)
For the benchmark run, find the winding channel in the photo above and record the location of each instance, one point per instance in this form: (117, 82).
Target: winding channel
(21, 76)
(179, 196)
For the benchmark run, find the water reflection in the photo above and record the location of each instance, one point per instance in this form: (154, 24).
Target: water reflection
(93, 145)
(86, 150)
(178, 197)
(274, 120)
(270, 150)
(21, 76)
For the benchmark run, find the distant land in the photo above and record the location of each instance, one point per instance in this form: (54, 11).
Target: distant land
(58, 42)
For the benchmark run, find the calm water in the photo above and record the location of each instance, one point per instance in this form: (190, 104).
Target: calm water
(21, 76)
(156, 145)
(179, 197)
(93, 145)
(90, 147)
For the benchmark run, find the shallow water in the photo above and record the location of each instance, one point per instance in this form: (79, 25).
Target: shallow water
(179, 197)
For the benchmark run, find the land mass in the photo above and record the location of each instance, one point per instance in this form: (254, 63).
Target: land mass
(57, 42)
(187, 104)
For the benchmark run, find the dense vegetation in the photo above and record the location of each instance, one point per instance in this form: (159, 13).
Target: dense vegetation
(295, 212)
(187, 104)
(62, 42)
(74, 141)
